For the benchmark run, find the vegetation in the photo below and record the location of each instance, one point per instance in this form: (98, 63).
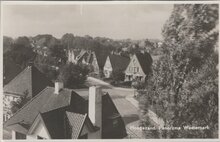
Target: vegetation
(73, 76)
(183, 88)
(118, 75)
(16, 105)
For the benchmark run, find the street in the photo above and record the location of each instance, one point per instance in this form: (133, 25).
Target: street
(122, 97)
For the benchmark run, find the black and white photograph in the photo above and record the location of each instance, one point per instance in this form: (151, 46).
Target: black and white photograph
(109, 70)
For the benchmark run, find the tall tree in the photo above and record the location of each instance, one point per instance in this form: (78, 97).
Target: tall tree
(183, 88)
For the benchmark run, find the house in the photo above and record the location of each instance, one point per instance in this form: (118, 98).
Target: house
(97, 60)
(139, 67)
(115, 63)
(30, 81)
(60, 113)
(77, 56)
(41, 50)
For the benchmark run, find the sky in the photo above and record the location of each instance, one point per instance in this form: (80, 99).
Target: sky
(116, 21)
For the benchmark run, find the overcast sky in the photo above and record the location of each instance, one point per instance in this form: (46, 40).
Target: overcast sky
(113, 21)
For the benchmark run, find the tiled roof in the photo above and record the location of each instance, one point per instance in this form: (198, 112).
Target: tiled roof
(119, 62)
(101, 58)
(45, 101)
(31, 80)
(53, 107)
(76, 121)
(145, 61)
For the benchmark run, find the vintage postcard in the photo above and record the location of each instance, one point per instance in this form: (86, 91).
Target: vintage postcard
(110, 70)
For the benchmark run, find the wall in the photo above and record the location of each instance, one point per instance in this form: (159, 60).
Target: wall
(134, 63)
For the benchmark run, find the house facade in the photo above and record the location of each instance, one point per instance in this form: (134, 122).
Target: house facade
(115, 63)
(139, 67)
(60, 113)
(108, 68)
(97, 61)
(28, 82)
(73, 55)
(95, 64)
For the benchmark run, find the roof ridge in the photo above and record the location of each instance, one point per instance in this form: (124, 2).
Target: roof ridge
(27, 103)
(17, 76)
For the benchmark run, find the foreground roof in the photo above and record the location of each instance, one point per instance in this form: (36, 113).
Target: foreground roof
(53, 107)
(30, 80)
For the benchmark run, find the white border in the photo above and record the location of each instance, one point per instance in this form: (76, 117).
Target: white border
(92, 3)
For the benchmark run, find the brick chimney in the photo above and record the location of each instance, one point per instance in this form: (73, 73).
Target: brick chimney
(95, 110)
(58, 86)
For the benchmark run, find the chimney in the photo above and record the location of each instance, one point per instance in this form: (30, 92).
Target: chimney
(95, 110)
(58, 86)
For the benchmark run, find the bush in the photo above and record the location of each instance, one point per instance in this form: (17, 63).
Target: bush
(118, 75)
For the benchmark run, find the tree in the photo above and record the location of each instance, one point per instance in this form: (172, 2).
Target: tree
(118, 75)
(73, 76)
(67, 40)
(16, 105)
(7, 43)
(57, 52)
(21, 54)
(183, 88)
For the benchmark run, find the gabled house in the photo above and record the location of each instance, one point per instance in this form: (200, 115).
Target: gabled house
(97, 60)
(77, 56)
(28, 82)
(72, 55)
(139, 67)
(115, 63)
(60, 113)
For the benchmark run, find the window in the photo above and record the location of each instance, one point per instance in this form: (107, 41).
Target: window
(137, 69)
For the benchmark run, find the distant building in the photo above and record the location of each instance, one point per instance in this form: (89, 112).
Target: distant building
(115, 63)
(77, 56)
(97, 61)
(60, 113)
(139, 67)
(41, 50)
(30, 81)
(72, 55)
